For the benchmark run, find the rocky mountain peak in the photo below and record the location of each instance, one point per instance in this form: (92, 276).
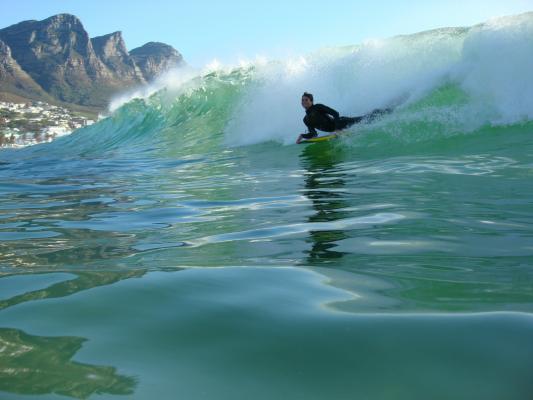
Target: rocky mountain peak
(58, 55)
(63, 21)
(110, 44)
(111, 50)
(155, 58)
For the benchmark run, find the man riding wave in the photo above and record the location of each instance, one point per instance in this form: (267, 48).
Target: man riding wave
(324, 118)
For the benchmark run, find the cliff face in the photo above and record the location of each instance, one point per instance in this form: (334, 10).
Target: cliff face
(57, 53)
(13, 78)
(154, 58)
(58, 56)
(120, 65)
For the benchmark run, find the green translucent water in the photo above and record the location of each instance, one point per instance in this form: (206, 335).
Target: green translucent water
(272, 272)
(143, 257)
(254, 332)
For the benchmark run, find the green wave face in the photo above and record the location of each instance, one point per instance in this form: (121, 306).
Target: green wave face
(442, 83)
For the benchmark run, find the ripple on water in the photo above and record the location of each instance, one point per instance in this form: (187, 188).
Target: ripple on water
(292, 229)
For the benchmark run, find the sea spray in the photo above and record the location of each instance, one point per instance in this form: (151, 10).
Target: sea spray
(496, 65)
(485, 68)
(353, 80)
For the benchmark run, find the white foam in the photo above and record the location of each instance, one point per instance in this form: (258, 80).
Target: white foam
(496, 69)
(352, 80)
(492, 63)
(173, 80)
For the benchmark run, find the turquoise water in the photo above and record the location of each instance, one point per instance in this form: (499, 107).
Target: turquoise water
(177, 250)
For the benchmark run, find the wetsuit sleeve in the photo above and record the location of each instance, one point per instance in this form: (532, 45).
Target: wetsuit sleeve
(310, 129)
(327, 110)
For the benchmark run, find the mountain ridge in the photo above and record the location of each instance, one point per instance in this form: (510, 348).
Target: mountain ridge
(56, 59)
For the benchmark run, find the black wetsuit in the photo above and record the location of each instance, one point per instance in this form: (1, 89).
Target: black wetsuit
(326, 119)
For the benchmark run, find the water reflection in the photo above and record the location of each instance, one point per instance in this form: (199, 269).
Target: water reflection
(31, 233)
(83, 281)
(42, 365)
(34, 365)
(324, 186)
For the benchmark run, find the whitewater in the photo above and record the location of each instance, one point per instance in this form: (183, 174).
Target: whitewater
(185, 247)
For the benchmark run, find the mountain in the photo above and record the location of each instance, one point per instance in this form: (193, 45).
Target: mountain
(57, 58)
(111, 51)
(154, 58)
(15, 81)
(57, 53)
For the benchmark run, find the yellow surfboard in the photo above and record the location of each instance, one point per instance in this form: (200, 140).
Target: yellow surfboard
(323, 138)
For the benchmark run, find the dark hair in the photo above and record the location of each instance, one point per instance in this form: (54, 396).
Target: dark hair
(308, 95)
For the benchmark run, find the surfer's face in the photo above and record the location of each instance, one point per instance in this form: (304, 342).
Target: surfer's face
(306, 102)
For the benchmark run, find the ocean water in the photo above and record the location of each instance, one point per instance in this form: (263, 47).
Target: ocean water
(185, 248)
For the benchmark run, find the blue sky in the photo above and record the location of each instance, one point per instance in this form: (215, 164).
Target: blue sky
(203, 30)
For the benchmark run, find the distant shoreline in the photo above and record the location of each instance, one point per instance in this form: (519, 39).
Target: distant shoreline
(25, 124)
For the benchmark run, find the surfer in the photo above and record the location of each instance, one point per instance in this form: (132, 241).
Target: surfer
(324, 118)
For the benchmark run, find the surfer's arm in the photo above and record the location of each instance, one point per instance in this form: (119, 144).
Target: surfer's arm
(310, 128)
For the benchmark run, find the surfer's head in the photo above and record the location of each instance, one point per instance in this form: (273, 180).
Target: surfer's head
(307, 100)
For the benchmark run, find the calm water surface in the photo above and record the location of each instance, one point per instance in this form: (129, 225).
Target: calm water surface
(272, 272)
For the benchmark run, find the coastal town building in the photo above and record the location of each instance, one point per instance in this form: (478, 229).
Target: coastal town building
(24, 124)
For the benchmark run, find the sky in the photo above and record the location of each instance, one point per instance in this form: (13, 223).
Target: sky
(232, 30)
